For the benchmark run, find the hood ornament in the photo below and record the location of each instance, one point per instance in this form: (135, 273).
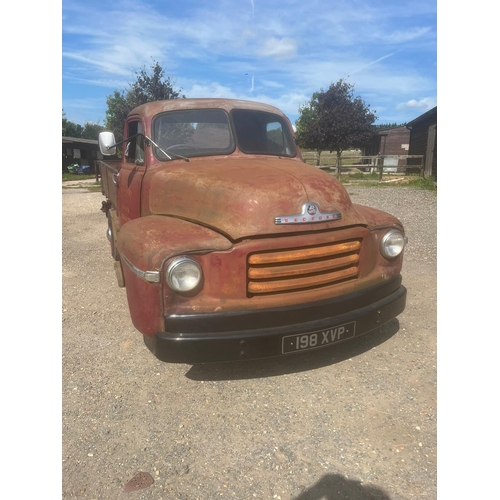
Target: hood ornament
(310, 213)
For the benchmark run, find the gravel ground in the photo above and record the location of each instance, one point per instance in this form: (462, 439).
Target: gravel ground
(353, 423)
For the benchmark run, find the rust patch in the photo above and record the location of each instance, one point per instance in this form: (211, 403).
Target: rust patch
(140, 481)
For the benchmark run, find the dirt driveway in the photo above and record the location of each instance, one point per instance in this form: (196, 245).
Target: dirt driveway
(353, 423)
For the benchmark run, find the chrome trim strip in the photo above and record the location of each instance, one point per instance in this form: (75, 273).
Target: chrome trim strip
(149, 276)
(310, 213)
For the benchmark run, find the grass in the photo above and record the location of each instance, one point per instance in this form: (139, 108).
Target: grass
(420, 183)
(76, 177)
(369, 179)
(76, 183)
(372, 180)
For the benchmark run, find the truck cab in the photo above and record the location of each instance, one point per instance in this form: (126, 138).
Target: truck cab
(231, 247)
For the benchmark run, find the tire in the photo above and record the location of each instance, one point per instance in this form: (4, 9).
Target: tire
(111, 239)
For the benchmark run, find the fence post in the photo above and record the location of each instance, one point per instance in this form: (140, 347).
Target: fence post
(381, 167)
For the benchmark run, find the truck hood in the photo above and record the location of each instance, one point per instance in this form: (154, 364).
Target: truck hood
(242, 197)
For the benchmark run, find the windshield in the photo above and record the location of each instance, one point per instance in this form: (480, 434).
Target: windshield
(198, 132)
(262, 133)
(207, 132)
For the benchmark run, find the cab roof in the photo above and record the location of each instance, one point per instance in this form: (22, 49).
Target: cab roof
(153, 108)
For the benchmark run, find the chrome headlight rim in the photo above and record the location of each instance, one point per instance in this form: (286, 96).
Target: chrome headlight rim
(173, 280)
(385, 246)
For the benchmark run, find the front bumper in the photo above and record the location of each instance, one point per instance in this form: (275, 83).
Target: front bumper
(216, 337)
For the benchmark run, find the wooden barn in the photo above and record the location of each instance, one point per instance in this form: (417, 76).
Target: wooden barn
(81, 151)
(423, 140)
(394, 141)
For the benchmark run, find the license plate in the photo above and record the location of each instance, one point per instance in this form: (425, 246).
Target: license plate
(319, 338)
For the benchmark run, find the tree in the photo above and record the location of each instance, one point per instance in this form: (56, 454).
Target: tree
(388, 126)
(335, 120)
(147, 87)
(305, 124)
(91, 130)
(70, 129)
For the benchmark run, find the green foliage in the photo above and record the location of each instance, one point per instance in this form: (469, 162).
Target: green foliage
(76, 177)
(363, 176)
(70, 129)
(305, 124)
(428, 183)
(388, 126)
(91, 131)
(118, 109)
(154, 87)
(148, 87)
(335, 120)
(373, 180)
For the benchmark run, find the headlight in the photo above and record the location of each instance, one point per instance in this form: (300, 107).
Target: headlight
(183, 275)
(392, 244)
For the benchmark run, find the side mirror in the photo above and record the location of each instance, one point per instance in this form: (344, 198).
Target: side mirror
(107, 143)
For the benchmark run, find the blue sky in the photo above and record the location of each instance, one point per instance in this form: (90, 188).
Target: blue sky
(278, 52)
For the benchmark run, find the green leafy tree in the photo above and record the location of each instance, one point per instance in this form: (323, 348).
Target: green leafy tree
(388, 126)
(118, 109)
(148, 87)
(335, 120)
(70, 129)
(91, 130)
(64, 123)
(306, 138)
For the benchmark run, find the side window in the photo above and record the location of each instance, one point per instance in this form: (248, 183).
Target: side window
(134, 149)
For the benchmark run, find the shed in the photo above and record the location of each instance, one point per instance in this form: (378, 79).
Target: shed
(394, 141)
(423, 140)
(81, 151)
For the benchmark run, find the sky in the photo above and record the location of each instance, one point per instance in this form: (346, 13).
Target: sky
(277, 52)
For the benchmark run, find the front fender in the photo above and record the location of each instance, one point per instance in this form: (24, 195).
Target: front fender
(144, 244)
(147, 241)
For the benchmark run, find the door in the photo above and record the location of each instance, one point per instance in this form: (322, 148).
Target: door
(129, 178)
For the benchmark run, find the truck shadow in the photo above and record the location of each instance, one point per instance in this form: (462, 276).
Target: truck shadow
(272, 367)
(337, 487)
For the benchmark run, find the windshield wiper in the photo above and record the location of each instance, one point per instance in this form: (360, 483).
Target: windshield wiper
(164, 152)
(148, 139)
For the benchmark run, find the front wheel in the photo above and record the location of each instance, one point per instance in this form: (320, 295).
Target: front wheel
(111, 238)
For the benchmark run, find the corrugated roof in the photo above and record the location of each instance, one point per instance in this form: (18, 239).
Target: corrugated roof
(79, 139)
(422, 117)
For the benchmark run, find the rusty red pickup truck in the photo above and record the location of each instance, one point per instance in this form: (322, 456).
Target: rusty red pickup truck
(230, 247)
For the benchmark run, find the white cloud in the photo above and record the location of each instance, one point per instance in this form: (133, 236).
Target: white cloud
(286, 48)
(213, 90)
(271, 84)
(424, 103)
(397, 37)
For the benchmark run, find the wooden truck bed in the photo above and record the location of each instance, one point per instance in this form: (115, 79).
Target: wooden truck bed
(109, 170)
